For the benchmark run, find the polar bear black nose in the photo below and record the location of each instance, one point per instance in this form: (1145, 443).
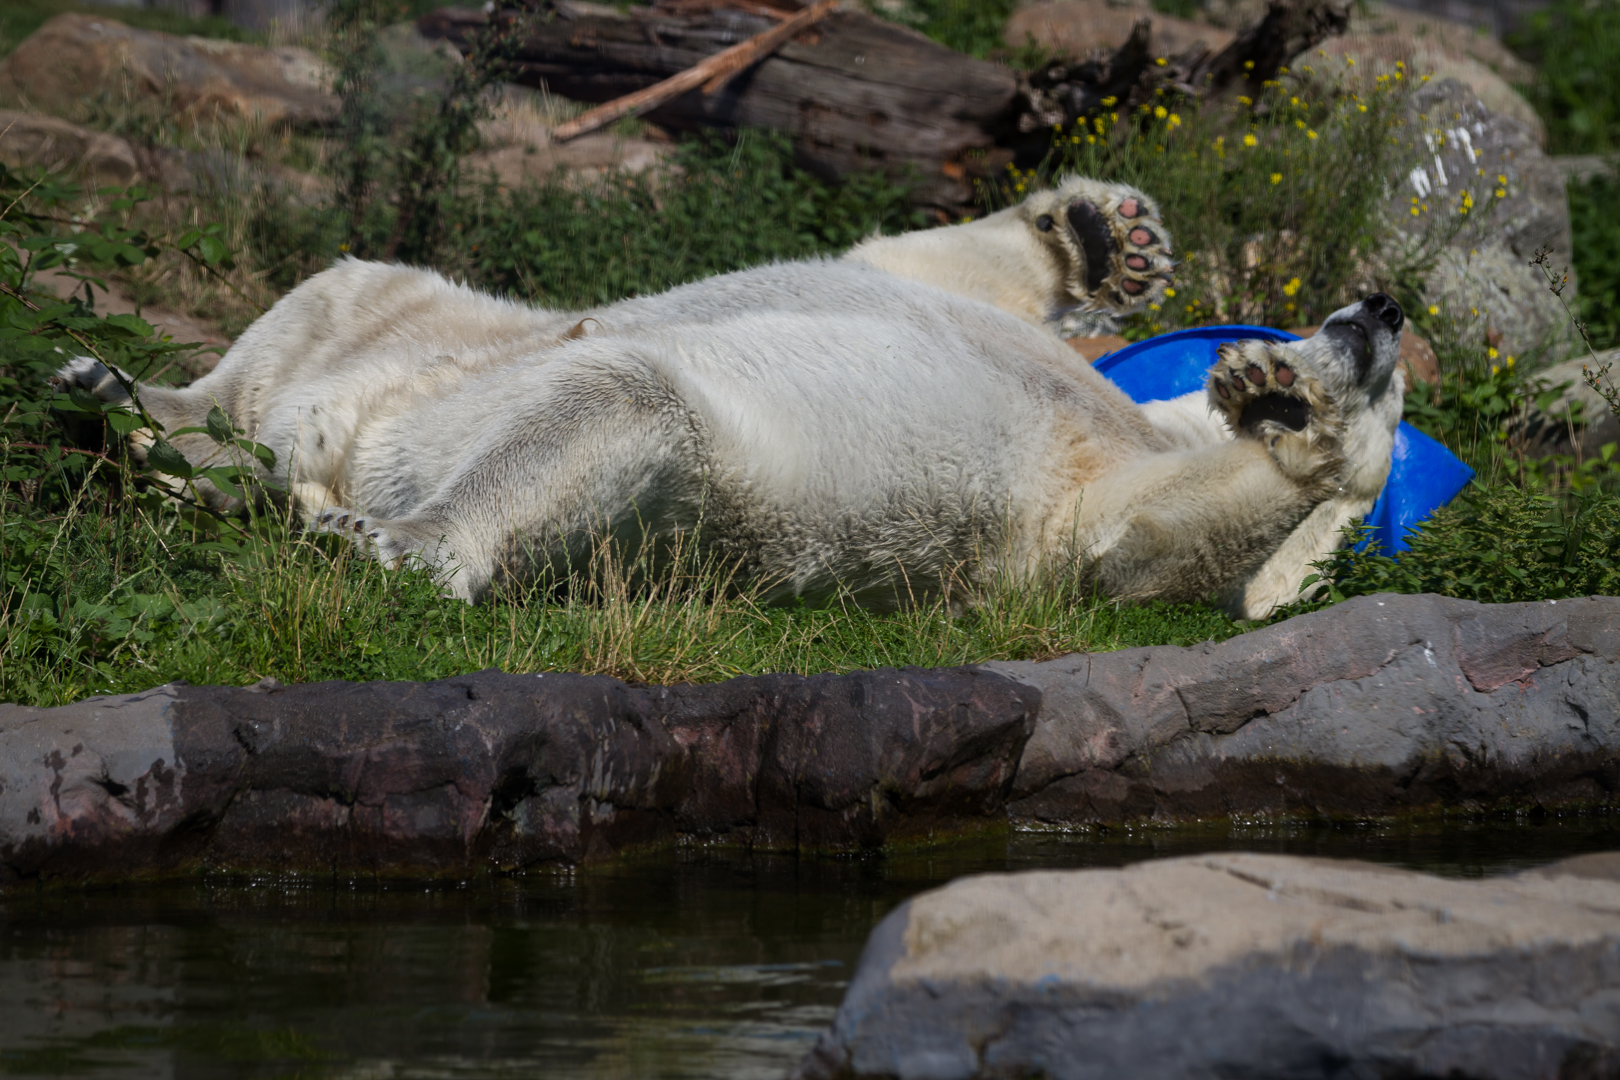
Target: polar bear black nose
(1385, 310)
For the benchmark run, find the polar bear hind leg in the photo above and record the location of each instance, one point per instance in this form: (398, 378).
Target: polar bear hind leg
(1085, 244)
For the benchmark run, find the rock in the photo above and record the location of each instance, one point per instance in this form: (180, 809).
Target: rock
(495, 770)
(1377, 706)
(75, 59)
(28, 140)
(1239, 965)
(1378, 53)
(1078, 28)
(1554, 430)
(515, 144)
(1483, 278)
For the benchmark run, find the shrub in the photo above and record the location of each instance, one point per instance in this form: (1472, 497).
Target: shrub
(1274, 203)
(1576, 45)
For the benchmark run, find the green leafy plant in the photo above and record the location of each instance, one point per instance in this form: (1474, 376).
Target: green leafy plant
(1274, 202)
(1576, 46)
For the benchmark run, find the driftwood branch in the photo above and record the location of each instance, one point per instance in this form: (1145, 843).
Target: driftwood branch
(711, 74)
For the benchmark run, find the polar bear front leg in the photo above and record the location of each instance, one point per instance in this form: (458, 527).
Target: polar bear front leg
(1192, 524)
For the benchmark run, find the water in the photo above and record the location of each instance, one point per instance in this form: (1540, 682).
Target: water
(689, 964)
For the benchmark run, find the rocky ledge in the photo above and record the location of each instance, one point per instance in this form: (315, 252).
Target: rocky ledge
(1378, 706)
(1240, 966)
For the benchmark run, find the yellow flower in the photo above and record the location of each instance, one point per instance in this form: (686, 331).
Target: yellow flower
(1500, 179)
(1363, 108)
(1276, 178)
(1491, 352)
(1161, 61)
(1299, 123)
(1510, 361)
(1249, 139)
(1074, 138)
(1310, 134)
(1248, 65)
(343, 247)
(1160, 112)
(1091, 138)
(1414, 211)
(1495, 369)
(1501, 193)
(1110, 102)
(1434, 309)
(1153, 307)
(1175, 121)
(1293, 101)
(1245, 101)
(1169, 292)
(1292, 287)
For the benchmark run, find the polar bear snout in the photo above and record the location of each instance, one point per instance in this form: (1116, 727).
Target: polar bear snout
(1368, 335)
(1383, 307)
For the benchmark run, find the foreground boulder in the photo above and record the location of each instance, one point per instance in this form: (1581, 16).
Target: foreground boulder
(1377, 706)
(76, 61)
(1240, 965)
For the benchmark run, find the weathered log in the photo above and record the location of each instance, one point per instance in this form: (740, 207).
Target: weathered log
(854, 92)
(1064, 91)
(711, 73)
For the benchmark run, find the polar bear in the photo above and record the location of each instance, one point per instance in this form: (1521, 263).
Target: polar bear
(872, 425)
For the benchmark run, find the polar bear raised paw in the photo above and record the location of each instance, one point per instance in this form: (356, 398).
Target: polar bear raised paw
(1120, 254)
(1273, 396)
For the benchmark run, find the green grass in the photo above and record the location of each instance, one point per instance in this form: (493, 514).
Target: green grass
(1576, 45)
(123, 600)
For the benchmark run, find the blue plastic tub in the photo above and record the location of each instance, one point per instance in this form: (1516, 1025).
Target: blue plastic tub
(1423, 475)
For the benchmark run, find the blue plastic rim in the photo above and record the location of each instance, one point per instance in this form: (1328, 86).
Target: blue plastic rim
(1423, 475)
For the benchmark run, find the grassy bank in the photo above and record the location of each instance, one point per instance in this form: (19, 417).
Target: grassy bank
(108, 586)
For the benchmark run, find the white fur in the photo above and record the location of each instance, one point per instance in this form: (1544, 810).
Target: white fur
(828, 424)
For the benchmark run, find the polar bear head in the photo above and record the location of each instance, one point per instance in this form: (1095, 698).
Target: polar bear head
(1343, 385)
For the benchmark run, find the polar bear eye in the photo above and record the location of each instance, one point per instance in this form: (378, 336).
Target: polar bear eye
(1044, 223)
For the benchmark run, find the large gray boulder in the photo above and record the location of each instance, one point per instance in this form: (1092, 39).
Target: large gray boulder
(76, 61)
(1378, 706)
(1239, 965)
(1482, 277)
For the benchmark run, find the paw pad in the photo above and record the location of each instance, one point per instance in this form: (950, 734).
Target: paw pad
(1122, 244)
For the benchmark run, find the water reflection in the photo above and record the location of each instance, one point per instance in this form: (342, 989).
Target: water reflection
(691, 964)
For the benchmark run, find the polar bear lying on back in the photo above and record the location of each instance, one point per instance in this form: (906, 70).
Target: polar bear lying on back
(872, 424)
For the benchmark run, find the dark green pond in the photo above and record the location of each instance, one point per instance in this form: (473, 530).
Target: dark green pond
(690, 964)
